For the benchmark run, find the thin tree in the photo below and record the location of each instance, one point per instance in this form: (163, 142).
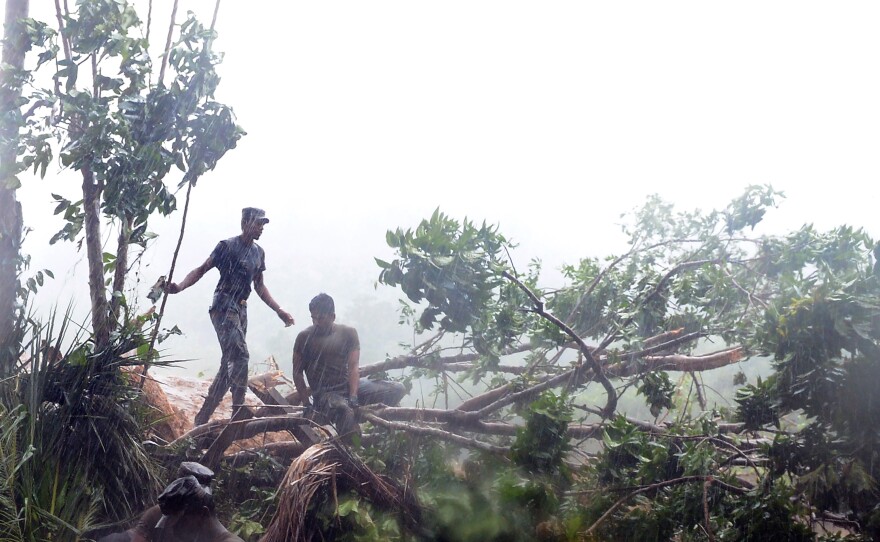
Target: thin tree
(11, 219)
(124, 135)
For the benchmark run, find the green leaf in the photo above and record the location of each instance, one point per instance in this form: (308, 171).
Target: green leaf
(348, 507)
(392, 239)
(13, 183)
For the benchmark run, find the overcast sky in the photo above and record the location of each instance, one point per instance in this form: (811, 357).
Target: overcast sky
(550, 119)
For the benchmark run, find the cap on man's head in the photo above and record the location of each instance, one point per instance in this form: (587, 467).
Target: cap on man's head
(252, 214)
(202, 473)
(183, 493)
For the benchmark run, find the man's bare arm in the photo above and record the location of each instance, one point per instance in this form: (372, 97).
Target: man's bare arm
(263, 292)
(191, 278)
(354, 358)
(298, 380)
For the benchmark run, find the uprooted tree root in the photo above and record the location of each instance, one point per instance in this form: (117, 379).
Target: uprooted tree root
(324, 467)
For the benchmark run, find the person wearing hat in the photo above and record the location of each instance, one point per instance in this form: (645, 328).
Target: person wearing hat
(146, 528)
(185, 513)
(241, 262)
(188, 514)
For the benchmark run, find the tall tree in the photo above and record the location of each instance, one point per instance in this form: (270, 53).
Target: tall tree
(11, 221)
(124, 134)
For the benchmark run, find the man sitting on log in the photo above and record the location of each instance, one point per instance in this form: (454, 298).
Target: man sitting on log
(329, 353)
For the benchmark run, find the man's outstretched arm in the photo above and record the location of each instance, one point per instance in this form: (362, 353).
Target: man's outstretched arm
(263, 292)
(191, 278)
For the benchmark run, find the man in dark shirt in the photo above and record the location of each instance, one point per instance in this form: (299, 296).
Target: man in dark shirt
(241, 262)
(328, 353)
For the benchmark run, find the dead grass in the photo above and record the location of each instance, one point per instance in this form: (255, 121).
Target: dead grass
(322, 468)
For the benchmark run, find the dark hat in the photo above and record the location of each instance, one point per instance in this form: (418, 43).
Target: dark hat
(252, 214)
(202, 473)
(183, 493)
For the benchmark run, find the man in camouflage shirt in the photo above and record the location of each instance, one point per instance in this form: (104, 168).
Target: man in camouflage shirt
(241, 262)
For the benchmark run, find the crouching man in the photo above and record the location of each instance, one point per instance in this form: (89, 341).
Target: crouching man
(329, 353)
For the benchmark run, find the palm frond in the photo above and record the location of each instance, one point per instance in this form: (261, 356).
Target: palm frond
(325, 466)
(71, 450)
(10, 422)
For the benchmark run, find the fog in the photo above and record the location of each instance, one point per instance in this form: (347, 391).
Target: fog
(550, 120)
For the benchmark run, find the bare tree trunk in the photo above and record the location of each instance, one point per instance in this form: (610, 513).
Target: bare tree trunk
(121, 266)
(98, 294)
(11, 219)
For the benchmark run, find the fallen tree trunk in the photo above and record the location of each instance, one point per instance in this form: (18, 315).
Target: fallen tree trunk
(250, 429)
(458, 362)
(282, 451)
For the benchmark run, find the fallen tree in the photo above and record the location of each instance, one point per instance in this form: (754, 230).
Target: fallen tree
(694, 293)
(517, 365)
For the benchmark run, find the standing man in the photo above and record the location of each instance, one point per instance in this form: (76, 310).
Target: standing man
(241, 262)
(329, 354)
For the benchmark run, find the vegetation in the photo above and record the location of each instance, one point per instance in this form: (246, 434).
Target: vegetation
(109, 118)
(689, 282)
(72, 424)
(536, 440)
(11, 80)
(73, 455)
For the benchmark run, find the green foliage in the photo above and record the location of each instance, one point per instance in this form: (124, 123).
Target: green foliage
(125, 131)
(624, 452)
(768, 517)
(683, 270)
(110, 120)
(749, 209)
(658, 391)
(824, 335)
(536, 497)
(672, 474)
(472, 497)
(455, 269)
(809, 300)
(349, 519)
(446, 264)
(71, 441)
(246, 496)
(541, 444)
(757, 406)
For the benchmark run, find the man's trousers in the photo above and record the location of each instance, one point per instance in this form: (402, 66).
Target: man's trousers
(230, 323)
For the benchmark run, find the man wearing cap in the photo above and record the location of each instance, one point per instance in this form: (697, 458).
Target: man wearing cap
(188, 514)
(185, 513)
(146, 528)
(241, 262)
